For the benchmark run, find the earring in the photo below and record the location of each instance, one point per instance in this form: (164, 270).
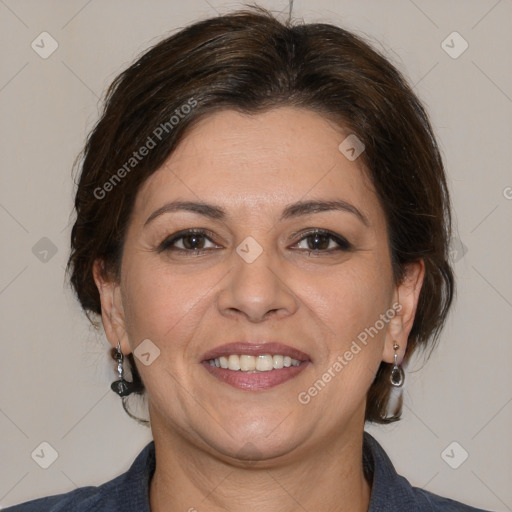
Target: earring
(120, 386)
(397, 373)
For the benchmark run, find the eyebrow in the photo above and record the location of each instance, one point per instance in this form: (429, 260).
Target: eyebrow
(309, 207)
(208, 210)
(297, 209)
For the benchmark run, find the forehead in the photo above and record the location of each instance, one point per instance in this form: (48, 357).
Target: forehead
(261, 160)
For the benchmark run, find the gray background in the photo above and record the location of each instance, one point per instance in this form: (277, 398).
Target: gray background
(54, 369)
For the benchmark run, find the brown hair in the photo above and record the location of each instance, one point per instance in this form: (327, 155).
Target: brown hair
(252, 62)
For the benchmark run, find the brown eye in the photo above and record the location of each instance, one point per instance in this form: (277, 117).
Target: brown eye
(323, 241)
(192, 241)
(318, 241)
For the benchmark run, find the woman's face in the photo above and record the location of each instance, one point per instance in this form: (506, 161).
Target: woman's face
(253, 274)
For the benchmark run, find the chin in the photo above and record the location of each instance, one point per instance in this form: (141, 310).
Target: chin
(260, 453)
(255, 442)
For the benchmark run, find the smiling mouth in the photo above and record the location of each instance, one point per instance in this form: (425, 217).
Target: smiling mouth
(255, 367)
(253, 364)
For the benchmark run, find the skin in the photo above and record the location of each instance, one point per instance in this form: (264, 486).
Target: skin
(306, 456)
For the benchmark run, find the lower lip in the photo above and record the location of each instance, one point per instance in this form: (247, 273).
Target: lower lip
(255, 381)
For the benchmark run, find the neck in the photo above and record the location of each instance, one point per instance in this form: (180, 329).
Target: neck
(329, 478)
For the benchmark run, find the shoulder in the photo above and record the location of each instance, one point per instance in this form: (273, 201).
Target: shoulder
(391, 492)
(434, 503)
(81, 499)
(128, 492)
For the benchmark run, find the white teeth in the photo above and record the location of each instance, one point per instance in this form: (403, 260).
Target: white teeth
(277, 362)
(234, 362)
(264, 363)
(247, 363)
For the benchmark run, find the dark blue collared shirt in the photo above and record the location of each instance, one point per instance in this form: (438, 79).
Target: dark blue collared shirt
(129, 492)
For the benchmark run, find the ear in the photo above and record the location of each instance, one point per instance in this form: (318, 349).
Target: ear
(406, 298)
(112, 311)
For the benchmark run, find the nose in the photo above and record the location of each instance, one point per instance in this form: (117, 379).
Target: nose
(257, 290)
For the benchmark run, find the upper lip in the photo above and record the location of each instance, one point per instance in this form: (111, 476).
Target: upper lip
(255, 349)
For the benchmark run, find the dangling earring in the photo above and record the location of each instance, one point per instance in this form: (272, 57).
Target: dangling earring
(120, 386)
(397, 374)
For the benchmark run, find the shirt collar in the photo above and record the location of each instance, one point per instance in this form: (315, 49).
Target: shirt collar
(132, 493)
(390, 491)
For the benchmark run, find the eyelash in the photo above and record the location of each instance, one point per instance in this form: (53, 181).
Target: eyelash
(167, 244)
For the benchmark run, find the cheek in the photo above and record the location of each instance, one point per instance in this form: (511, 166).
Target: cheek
(350, 299)
(352, 354)
(161, 305)
(349, 304)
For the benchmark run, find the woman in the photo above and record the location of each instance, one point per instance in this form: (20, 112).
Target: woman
(263, 225)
